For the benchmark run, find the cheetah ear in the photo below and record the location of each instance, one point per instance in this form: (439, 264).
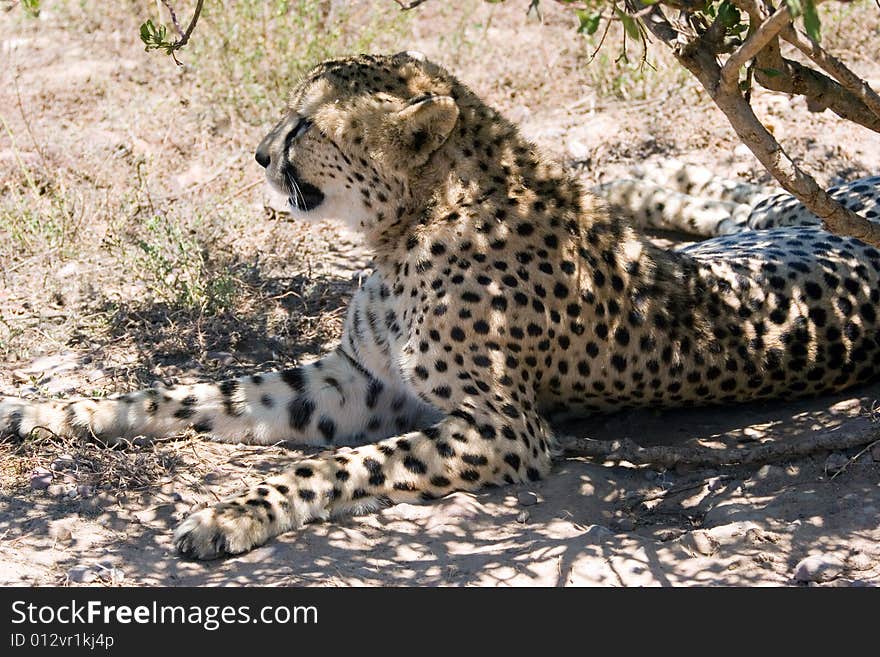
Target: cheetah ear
(411, 54)
(423, 126)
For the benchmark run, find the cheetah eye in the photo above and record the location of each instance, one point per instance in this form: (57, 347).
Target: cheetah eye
(301, 128)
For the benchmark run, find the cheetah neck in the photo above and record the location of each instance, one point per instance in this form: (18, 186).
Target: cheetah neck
(488, 195)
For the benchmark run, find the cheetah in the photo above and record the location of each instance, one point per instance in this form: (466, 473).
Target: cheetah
(504, 295)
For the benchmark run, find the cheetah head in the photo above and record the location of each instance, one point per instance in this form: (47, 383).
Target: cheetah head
(359, 137)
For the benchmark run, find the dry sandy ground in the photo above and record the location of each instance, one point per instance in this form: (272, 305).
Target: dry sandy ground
(587, 524)
(89, 108)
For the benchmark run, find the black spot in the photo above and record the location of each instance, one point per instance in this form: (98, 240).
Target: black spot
(300, 412)
(294, 378)
(229, 388)
(414, 465)
(499, 303)
(419, 139)
(487, 432)
(444, 449)
(470, 297)
(327, 427)
(374, 389)
(814, 290)
(184, 413)
(203, 426)
(512, 460)
(444, 392)
(377, 478)
(475, 459)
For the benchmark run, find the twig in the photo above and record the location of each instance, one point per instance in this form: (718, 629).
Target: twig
(412, 4)
(184, 35)
(180, 43)
(675, 490)
(855, 458)
(173, 17)
(602, 40)
(669, 456)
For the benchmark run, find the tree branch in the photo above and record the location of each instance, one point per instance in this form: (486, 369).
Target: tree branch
(775, 72)
(761, 35)
(837, 69)
(697, 58)
(669, 456)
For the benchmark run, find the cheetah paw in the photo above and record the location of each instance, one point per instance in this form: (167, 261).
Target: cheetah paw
(221, 530)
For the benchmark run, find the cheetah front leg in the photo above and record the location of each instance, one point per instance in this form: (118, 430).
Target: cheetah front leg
(332, 401)
(469, 448)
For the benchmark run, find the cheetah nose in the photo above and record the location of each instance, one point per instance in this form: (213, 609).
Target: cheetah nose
(262, 156)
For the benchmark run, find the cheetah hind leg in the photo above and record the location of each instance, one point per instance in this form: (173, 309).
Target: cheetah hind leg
(694, 180)
(652, 206)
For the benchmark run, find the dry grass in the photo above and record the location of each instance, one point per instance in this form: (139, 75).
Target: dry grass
(82, 468)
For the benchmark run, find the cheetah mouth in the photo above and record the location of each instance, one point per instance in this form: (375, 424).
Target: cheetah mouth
(302, 196)
(306, 197)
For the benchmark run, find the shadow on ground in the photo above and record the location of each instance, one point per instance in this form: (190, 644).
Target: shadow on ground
(587, 524)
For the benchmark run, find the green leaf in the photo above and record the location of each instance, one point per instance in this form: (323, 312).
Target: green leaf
(146, 32)
(770, 72)
(811, 21)
(31, 7)
(728, 14)
(589, 23)
(629, 24)
(153, 37)
(794, 7)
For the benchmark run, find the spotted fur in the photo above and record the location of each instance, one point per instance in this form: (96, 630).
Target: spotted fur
(690, 199)
(504, 295)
